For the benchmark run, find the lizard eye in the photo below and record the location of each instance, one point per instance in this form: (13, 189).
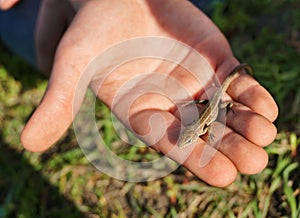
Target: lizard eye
(189, 141)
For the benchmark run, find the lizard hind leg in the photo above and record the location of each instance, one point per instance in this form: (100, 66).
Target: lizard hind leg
(228, 106)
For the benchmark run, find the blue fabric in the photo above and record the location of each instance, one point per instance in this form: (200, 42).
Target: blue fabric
(205, 5)
(17, 28)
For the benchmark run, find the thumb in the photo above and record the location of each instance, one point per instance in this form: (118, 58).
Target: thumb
(56, 111)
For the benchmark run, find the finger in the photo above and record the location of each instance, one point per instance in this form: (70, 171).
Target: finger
(248, 157)
(256, 128)
(244, 89)
(219, 171)
(55, 113)
(250, 93)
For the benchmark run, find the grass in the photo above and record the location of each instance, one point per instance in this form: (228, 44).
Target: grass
(61, 182)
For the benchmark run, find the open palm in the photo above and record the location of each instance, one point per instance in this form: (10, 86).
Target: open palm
(152, 113)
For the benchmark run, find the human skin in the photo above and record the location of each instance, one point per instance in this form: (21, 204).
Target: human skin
(100, 24)
(7, 4)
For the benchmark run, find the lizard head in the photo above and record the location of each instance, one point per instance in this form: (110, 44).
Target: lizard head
(187, 138)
